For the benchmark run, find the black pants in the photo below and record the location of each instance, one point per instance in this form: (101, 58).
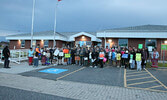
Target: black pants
(95, 63)
(6, 62)
(123, 62)
(101, 63)
(73, 59)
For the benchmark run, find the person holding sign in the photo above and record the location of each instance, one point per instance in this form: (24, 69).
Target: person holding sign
(101, 57)
(126, 58)
(118, 58)
(138, 59)
(154, 58)
(132, 59)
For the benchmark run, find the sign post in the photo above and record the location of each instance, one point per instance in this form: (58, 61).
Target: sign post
(163, 48)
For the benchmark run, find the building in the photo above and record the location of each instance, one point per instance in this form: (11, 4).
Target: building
(45, 39)
(147, 35)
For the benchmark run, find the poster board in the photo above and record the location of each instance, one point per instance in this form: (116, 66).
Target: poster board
(163, 46)
(140, 46)
(138, 56)
(150, 48)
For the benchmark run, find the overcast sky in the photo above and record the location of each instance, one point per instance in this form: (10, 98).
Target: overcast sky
(80, 15)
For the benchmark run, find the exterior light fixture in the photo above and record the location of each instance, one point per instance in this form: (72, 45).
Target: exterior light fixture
(109, 40)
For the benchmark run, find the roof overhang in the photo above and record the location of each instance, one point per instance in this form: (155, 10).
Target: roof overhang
(93, 37)
(132, 34)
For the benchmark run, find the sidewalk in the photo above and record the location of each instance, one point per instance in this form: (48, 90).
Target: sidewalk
(20, 68)
(77, 90)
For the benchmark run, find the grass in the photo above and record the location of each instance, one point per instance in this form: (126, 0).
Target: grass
(148, 65)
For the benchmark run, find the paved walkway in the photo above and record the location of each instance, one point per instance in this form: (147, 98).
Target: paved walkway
(76, 90)
(20, 68)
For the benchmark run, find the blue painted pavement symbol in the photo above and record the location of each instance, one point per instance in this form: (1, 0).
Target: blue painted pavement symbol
(53, 70)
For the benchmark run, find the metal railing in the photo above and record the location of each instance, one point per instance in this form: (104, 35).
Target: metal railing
(16, 56)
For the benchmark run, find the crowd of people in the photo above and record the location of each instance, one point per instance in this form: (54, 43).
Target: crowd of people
(131, 57)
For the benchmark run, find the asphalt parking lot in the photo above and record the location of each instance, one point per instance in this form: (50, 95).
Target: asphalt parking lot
(149, 79)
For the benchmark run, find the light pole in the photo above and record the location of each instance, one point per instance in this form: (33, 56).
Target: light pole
(54, 43)
(32, 24)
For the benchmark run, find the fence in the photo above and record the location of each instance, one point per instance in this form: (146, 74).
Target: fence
(17, 56)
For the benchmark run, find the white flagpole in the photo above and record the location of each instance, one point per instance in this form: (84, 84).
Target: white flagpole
(54, 43)
(32, 26)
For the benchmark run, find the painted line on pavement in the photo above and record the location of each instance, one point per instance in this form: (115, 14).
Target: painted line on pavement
(141, 82)
(154, 86)
(137, 75)
(156, 79)
(147, 89)
(138, 78)
(70, 73)
(134, 73)
(125, 82)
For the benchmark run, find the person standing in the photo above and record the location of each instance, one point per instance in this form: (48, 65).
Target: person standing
(101, 57)
(6, 53)
(138, 59)
(73, 55)
(51, 55)
(144, 58)
(154, 58)
(30, 56)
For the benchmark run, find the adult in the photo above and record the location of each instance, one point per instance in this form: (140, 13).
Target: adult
(101, 57)
(144, 58)
(154, 58)
(30, 56)
(51, 55)
(6, 53)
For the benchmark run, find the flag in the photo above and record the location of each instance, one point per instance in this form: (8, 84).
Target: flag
(59, 0)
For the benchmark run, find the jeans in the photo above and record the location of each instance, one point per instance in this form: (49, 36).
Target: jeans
(132, 65)
(138, 65)
(35, 61)
(69, 61)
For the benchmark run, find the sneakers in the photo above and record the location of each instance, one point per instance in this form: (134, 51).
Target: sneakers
(95, 67)
(91, 66)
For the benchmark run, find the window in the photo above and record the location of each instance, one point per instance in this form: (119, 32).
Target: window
(33, 43)
(22, 43)
(123, 42)
(46, 44)
(151, 42)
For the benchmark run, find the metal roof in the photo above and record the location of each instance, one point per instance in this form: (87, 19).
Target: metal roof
(142, 28)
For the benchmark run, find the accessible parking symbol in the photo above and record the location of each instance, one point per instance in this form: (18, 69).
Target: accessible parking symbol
(53, 70)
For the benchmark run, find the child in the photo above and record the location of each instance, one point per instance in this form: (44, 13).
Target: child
(47, 58)
(118, 58)
(113, 57)
(36, 60)
(43, 57)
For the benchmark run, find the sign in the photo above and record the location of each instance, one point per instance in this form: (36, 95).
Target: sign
(138, 56)
(163, 46)
(61, 54)
(118, 56)
(140, 46)
(125, 56)
(131, 56)
(150, 48)
(67, 55)
(53, 70)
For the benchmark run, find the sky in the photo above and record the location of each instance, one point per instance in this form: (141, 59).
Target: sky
(79, 15)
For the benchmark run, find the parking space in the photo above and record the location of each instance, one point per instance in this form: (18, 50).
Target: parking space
(53, 72)
(143, 80)
(104, 76)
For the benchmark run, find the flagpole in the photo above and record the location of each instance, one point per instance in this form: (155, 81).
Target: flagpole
(54, 43)
(32, 26)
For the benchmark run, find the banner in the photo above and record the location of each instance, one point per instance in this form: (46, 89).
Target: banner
(67, 55)
(138, 56)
